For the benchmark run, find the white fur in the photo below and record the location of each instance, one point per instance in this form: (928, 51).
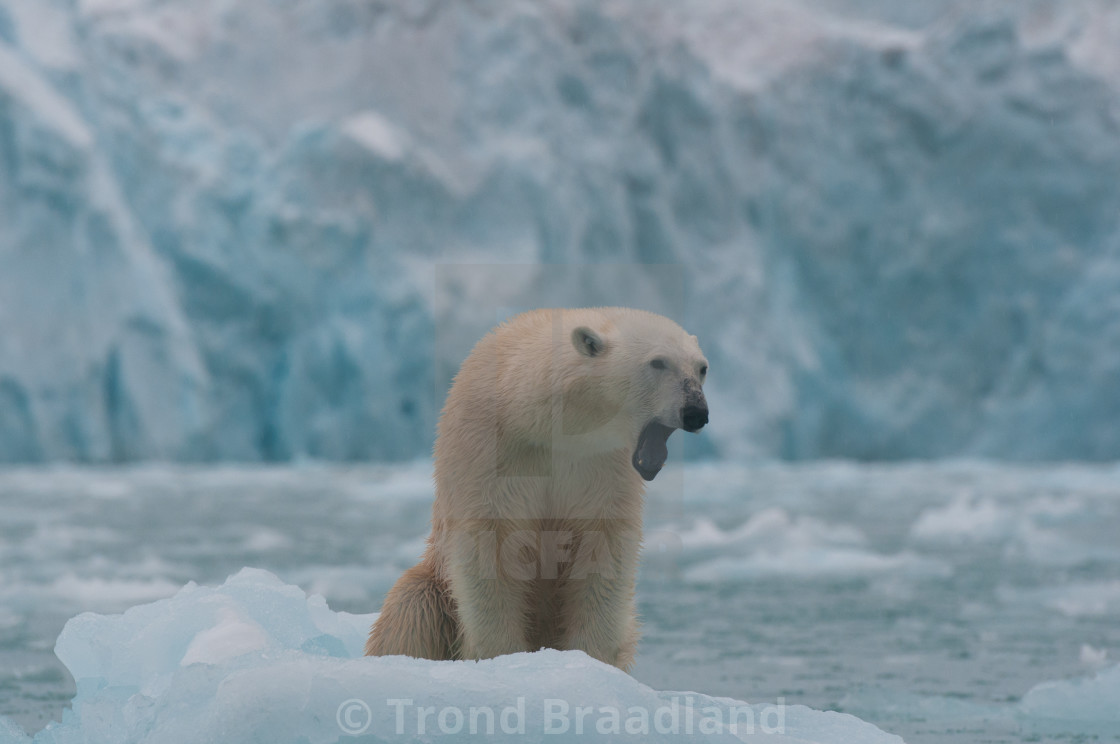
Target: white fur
(533, 461)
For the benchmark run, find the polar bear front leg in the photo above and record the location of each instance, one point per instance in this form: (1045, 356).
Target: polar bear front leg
(490, 601)
(599, 615)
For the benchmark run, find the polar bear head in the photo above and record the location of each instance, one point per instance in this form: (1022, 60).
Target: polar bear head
(638, 373)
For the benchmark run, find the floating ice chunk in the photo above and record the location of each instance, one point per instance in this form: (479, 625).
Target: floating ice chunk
(1093, 657)
(149, 642)
(1056, 547)
(256, 660)
(815, 562)
(1088, 701)
(102, 594)
(1088, 599)
(264, 540)
(964, 520)
(774, 543)
(772, 526)
(1043, 530)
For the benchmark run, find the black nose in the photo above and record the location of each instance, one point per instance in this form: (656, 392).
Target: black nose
(694, 417)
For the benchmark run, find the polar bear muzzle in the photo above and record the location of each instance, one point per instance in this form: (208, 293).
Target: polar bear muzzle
(651, 452)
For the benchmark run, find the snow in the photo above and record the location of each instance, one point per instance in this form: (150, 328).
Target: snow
(256, 659)
(251, 231)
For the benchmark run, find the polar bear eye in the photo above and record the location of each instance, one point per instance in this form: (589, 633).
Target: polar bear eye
(657, 363)
(704, 370)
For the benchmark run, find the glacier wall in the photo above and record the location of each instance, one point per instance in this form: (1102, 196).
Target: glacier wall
(271, 230)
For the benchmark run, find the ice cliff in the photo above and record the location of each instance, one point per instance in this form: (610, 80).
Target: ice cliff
(271, 230)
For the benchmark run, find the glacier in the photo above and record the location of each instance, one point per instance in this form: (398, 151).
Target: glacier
(270, 231)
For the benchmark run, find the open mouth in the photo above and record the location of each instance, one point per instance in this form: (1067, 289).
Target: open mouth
(651, 452)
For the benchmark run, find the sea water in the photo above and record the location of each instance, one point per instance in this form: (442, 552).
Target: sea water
(954, 602)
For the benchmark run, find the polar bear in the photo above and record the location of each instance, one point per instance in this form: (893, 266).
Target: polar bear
(550, 428)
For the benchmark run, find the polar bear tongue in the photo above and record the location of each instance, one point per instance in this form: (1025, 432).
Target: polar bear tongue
(651, 451)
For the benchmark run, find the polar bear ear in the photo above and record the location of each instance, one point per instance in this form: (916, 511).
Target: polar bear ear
(588, 342)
